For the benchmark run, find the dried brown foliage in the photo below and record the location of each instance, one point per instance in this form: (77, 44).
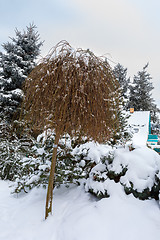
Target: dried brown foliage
(73, 91)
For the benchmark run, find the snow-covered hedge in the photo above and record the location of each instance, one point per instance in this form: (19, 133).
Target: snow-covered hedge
(138, 171)
(27, 163)
(35, 168)
(74, 162)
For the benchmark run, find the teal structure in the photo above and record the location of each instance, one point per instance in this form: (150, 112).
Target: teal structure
(152, 139)
(149, 124)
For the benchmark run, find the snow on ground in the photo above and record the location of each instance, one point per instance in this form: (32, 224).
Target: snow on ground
(77, 215)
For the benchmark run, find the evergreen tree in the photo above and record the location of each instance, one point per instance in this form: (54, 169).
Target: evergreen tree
(121, 75)
(140, 92)
(16, 63)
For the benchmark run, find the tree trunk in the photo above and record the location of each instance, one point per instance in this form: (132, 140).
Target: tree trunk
(51, 177)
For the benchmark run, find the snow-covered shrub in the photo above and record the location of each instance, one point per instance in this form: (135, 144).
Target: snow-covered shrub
(12, 150)
(26, 161)
(75, 161)
(143, 173)
(34, 169)
(138, 171)
(97, 181)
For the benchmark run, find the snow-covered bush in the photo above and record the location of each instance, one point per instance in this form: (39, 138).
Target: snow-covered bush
(75, 161)
(12, 150)
(34, 169)
(143, 173)
(138, 171)
(101, 174)
(97, 181)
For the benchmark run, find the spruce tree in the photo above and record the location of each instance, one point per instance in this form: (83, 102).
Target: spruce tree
(121, 75)
(140, 91)
(16, 63)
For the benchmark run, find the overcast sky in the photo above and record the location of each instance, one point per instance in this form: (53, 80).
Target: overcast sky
(127, 31)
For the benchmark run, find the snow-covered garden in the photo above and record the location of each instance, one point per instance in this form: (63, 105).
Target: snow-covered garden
(65, 136)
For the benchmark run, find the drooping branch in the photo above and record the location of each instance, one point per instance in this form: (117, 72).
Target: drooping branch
(73, 89)
(74, 92)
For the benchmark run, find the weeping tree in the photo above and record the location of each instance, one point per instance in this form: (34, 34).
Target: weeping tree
(73, 92)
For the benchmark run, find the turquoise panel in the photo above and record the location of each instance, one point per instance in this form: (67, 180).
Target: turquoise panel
(152, 140)
(150, 136)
